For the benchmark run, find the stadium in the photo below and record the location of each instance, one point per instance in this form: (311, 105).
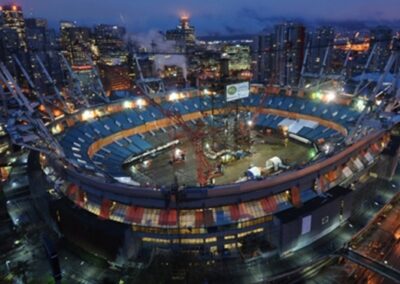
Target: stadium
(176, 156)
(191, 171)
(239, 172)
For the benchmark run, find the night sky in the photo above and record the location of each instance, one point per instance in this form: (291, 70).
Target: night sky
(212, 16)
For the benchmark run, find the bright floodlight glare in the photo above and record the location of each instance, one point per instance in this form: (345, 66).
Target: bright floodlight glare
(140, 103)
(249, 122)
(360, 104)
(312, 153)
(173, 96)
(330, 96)
(178, 152)
(87, 114)
(316, 95)
(127, 104)
(327, 148)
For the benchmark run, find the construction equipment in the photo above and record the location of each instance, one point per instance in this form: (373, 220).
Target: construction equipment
(195, 136)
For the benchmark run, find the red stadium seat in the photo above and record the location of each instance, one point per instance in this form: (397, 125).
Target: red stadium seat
(72, 189)
(134, 214)
(105, 208)
(172, 217)
(295, 196)
(269, 204)
(235, 214)
(199, 219)
(243, 211)
(80, 198)
(163, 220)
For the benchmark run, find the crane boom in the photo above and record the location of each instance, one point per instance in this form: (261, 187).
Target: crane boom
(195, 136)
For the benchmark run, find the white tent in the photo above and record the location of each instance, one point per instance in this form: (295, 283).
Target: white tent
(273, 163)
(254, 172)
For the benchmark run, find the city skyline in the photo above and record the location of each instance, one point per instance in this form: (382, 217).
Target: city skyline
(199, 142)
(222, 17)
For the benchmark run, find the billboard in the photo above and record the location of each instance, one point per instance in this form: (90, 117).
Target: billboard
(237, 91)
(306, 225)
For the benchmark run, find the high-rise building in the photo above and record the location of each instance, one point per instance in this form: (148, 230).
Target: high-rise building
(66, 25)
(77, 46)
(75, 43)
(358, 44)
(382, 37)
(42, 42)
(112, 57)
(289, 44)
(9, 46)
(224, 67)
(12, 37)
(183, 35)
(36, 34)
(320, 40)
(239, 56)
(13, 18)
(205, 68)
(36, 23)
(110, 44)
(115, 77)
(262, 54)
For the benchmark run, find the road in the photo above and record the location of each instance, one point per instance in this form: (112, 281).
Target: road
(379, 241)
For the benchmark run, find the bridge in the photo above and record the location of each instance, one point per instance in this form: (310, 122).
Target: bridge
(371, 264)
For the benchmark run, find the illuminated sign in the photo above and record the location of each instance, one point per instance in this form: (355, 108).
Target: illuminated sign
(306, 225)
(237, 91)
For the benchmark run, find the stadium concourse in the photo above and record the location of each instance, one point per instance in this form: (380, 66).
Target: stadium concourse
(273, 211)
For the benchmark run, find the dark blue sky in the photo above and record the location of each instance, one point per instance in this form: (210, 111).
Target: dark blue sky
(210, 16)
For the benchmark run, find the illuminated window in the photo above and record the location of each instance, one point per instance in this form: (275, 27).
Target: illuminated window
(214, 249)
(230, 237)
(259, 230)
(191, 241)
(211, 240)
(155, 240)
(230, 246)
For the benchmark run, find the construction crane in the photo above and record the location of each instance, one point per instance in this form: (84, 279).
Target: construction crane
(260, 107)
(195, 136)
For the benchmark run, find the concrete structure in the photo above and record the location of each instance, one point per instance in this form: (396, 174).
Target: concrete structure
(210, 221)
(184, 35)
